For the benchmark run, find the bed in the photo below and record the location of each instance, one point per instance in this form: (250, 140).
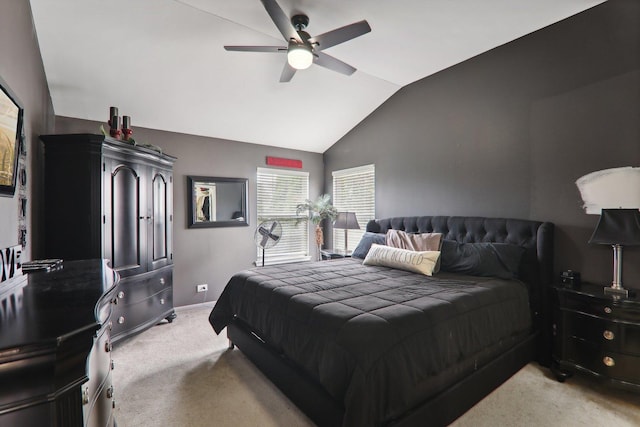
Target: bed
(361, 345)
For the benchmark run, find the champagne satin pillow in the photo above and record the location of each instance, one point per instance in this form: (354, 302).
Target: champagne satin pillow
(415, 242)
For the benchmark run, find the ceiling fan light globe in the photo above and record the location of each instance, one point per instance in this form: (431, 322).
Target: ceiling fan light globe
(299, 57)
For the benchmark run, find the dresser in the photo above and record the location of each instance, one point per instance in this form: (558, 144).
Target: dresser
(55, 347)
(106, 198)
(596, 334)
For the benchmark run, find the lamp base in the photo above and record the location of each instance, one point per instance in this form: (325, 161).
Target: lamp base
(619, 292)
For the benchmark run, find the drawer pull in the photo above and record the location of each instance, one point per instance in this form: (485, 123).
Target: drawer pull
(113, 365)
(162, 301)
(85, 395)
(108, 347)
(608, 310)
(608, 335)
(121, 294)
(608, 361)
(110, 392)
(162, 280)
(121, 320)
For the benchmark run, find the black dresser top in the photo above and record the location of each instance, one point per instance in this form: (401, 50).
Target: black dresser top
(43, 309)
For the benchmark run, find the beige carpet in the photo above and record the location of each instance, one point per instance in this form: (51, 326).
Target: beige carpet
(181, 374)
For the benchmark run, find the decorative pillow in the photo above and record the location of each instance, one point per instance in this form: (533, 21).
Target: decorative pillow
(367, 240)
(416, 242)
(481, 259)
(417, 262)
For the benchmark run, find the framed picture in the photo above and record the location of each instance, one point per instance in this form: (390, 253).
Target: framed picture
(11, 115)
(217, 202)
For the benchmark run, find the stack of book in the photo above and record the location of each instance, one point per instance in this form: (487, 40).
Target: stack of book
(41, 265)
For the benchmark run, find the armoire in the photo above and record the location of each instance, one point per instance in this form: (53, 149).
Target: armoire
(111, 199)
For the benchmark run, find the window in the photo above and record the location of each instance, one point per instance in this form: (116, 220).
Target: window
(354, 190)
(279, 192)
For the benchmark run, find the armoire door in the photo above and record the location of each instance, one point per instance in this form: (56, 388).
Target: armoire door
(160, 230)
(127, 216)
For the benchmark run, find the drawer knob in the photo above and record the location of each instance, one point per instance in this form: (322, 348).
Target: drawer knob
(607, 310)
(110, 392)
(608, 335)
(121, 320)
(161, 300)
(85, 395)
(121, 294)
(108, 347)
(608, 361)
(162, 280)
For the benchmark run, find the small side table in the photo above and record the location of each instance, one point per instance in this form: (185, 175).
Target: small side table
(333, 254)
(596, 334)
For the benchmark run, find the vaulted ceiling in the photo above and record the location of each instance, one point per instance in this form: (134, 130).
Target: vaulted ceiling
(162, 62)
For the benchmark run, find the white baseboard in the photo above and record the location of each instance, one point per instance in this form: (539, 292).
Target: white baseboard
(208, 304)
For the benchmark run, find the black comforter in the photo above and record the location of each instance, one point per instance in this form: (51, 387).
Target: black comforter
(379, 340)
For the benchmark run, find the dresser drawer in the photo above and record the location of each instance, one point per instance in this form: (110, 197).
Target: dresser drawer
(101, 414)
(610, 335)
(99, 371)
(610, 364)
(142, 314)
(138, 288)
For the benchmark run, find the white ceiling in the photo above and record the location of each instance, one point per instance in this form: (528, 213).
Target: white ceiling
(162, 62)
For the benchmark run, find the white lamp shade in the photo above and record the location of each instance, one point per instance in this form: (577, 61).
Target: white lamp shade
(610, 189)
(299, 57)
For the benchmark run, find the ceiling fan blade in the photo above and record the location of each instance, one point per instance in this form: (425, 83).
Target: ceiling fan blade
(281, 20)
(273, 49)
(340, 35)
(326, 61)
(287, 73)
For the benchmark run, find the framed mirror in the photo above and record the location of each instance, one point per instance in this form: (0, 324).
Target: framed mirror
(217, 202)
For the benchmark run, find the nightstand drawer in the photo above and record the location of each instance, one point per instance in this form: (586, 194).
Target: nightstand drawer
(607, 363)
(610, 335)
(609, 309)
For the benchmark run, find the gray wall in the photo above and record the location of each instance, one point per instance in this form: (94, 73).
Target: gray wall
(508, 132)
(22, 71)
(209, 255)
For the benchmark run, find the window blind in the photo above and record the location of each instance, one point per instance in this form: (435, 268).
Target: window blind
(279, 191)
(354, 190)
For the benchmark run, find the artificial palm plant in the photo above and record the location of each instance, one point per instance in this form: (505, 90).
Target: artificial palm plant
(317, 211)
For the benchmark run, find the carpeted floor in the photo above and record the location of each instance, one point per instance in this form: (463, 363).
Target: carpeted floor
(181, 374)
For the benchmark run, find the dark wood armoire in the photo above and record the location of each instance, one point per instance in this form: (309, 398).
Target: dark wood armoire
(107, 198)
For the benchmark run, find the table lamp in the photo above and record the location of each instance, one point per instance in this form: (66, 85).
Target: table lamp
(347, 221)
(618, 228)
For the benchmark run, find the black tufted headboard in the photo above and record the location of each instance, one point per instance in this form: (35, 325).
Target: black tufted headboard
(536, 269)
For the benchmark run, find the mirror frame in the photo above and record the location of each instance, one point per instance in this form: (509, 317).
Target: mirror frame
(191, 191)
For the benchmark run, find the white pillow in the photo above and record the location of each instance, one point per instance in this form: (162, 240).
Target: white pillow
(403, 259)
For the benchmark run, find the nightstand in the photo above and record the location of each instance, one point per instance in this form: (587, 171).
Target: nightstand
(596, 334)
(333, 254)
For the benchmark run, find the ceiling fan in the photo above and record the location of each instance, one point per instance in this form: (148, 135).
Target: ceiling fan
(302, 49)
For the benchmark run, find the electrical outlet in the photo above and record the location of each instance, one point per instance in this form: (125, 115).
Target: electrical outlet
(202, 288)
